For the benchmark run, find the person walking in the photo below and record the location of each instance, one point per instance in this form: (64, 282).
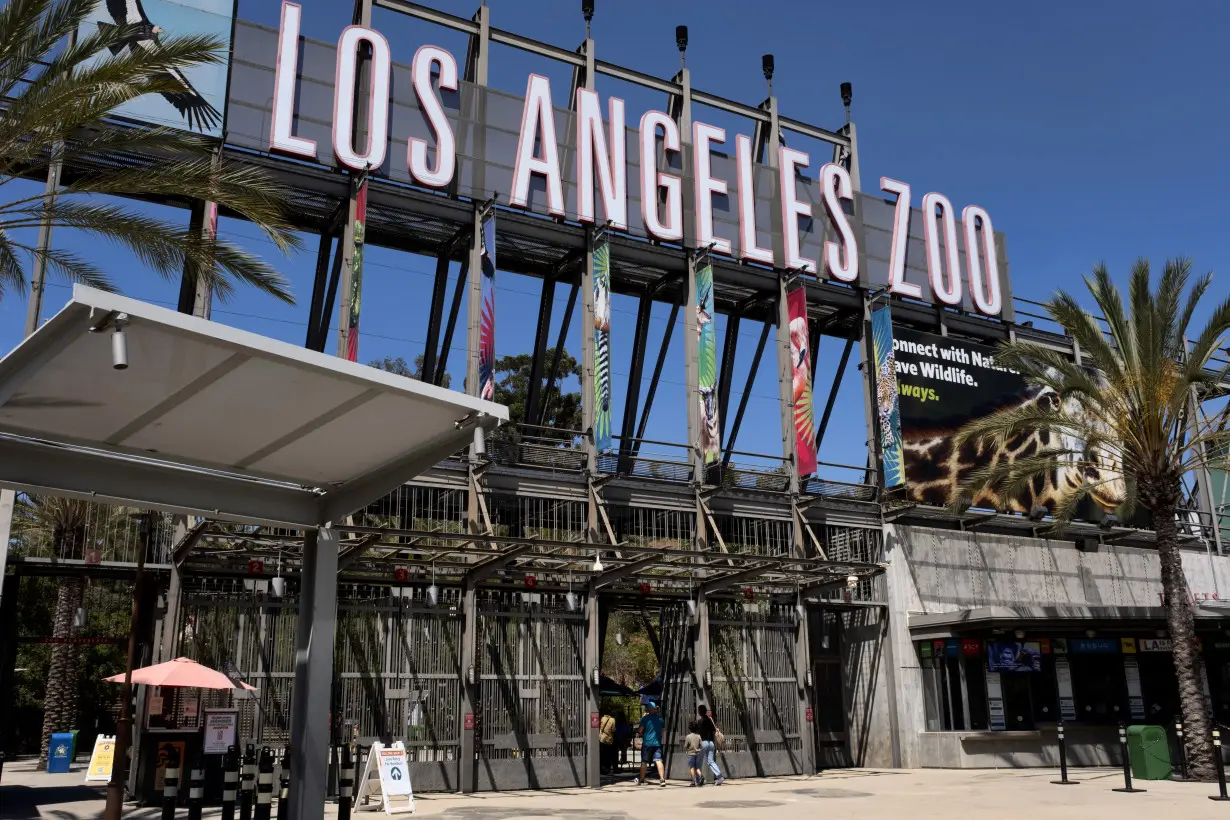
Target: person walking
(708, 732)
(691, 747)
(623, 737)
(606, 744)
(651, 743)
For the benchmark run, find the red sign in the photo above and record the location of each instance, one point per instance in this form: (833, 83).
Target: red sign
(401, 575)
(1044, 644)
(749, 593)
(809, 715)
(971, 646)
(93, 556)
(531, 581)
(256, 567)
(594, 720)
(468, 722)
(644, 587)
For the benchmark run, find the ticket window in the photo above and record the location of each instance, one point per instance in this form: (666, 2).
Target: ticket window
(1158, 686)
(1099, 688)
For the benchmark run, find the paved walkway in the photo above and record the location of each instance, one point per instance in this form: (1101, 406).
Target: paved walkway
(1004, 794)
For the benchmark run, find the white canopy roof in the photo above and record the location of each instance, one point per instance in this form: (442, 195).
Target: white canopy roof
(212, 420)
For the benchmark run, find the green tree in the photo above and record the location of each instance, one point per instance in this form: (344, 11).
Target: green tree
(58, 98)
(399, 367)
(1127, 414)
(512, 384)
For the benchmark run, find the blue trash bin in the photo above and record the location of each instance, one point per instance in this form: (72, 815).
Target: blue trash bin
(60, 754)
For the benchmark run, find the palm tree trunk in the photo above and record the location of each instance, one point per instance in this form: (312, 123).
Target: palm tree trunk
(1186, 656)
(61, 696)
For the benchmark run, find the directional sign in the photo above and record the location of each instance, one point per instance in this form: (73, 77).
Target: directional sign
(102, 759)
(389, 763)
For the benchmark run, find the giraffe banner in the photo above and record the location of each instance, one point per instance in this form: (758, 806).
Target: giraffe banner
(486, 330)
(941, 384)
(356, 272)
(800, 366)
(602, 346)
(888, 408)
(707, 375)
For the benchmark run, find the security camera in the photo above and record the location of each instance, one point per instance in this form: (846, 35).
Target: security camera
(119, 344)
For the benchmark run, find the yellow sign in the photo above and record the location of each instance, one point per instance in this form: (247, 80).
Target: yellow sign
(102, 759)
(1128, 645)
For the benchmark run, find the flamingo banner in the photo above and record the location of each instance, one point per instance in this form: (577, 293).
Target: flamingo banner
(800, 366)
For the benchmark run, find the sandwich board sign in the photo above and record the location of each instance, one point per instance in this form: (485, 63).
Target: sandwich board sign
(102, 759)
(391, 772)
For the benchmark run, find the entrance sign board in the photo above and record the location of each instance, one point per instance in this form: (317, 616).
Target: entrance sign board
(102, 758)
(294, 96)
(391, 769)
(220, 730)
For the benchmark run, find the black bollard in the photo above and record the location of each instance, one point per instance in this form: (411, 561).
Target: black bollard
(1221, 768)
(170, 784)
(1127, 764)
(284, 784)
(196, 787)
(247, 783)
(345, 789)
(264, 785)
(1063, 761)
(230, 782)
(1178, 733)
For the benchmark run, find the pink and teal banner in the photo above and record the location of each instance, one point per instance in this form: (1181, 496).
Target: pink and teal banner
(800, 367)
(486, 333)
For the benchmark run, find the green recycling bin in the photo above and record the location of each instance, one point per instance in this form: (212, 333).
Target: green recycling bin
(1149, 751)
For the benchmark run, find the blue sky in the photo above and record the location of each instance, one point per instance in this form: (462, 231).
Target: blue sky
(1089, 131)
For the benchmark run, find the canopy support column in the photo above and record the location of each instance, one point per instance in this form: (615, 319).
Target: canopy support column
(309, 724)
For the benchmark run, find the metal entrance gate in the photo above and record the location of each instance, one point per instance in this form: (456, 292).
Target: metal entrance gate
(397, 676)
(678, 684)
(755, 688)
(531, 703)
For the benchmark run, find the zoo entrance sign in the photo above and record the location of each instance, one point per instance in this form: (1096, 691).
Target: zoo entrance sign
(602, 155)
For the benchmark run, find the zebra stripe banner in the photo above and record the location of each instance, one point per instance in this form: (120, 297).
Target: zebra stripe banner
(887, 402)
(710, 424)
(602, 346)
(800, 366)
(486, 330)
(356, 275)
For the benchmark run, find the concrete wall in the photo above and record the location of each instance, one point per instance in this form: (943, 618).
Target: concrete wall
(935, 571)
(866, 682)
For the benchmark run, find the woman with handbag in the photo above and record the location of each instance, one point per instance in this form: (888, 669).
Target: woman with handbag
(710, 739)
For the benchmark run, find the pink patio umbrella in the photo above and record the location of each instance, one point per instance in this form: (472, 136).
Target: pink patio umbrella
(181, 672)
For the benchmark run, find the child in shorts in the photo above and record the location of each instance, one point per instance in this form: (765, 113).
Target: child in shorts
(691, 746)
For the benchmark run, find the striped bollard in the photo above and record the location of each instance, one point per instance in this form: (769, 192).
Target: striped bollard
(1178, 733)
(284, 784)
(247, 783)
(170, 784)
(264, 785)
(1127, 763)
(1221, 768)
(196, 787)
(345, 789)
(1063, 760)
(230, 782)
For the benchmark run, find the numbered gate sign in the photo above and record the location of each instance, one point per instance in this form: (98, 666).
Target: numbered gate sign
(220, 726)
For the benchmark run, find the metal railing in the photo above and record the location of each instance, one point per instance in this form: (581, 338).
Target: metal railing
(751, 471)
(852, 484)
(660, 460)
(537, 447)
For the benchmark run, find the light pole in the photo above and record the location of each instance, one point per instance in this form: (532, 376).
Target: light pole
(123, 729)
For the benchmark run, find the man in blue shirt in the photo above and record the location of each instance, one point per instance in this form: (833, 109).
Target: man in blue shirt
(651, 742)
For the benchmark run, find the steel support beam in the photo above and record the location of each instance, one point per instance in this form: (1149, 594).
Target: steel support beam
(747, 392)
(593, 771)
(353, 552)
(632, 397)
(837, 378)
(617, 574)
(553, 373)
(546, 305)
(310, 702)
(657, 376)
(435, 316)
(726, 372)
(469, 690)
(186, 542)
(732, 578)
(490, 566)
(320, 283)
(321, 333)
(446, 345)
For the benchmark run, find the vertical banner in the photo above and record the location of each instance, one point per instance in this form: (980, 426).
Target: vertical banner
(356, 272)
(1063, 682)
(1131, 676)
(995, 702)
(602, 345)
(486, 337)
(887, 408)
(800, 366)
(710, 425)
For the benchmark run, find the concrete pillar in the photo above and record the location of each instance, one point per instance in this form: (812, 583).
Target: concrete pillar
(310, 703)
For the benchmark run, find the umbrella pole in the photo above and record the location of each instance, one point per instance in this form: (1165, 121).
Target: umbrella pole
(123, 733)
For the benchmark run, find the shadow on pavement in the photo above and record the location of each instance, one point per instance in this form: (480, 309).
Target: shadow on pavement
(23, 802)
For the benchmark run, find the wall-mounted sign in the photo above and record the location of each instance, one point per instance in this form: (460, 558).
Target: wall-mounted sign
(1104, 646)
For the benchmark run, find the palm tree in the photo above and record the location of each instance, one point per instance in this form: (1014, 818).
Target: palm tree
(1131, 403)
(67, 528)
(58, 97)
